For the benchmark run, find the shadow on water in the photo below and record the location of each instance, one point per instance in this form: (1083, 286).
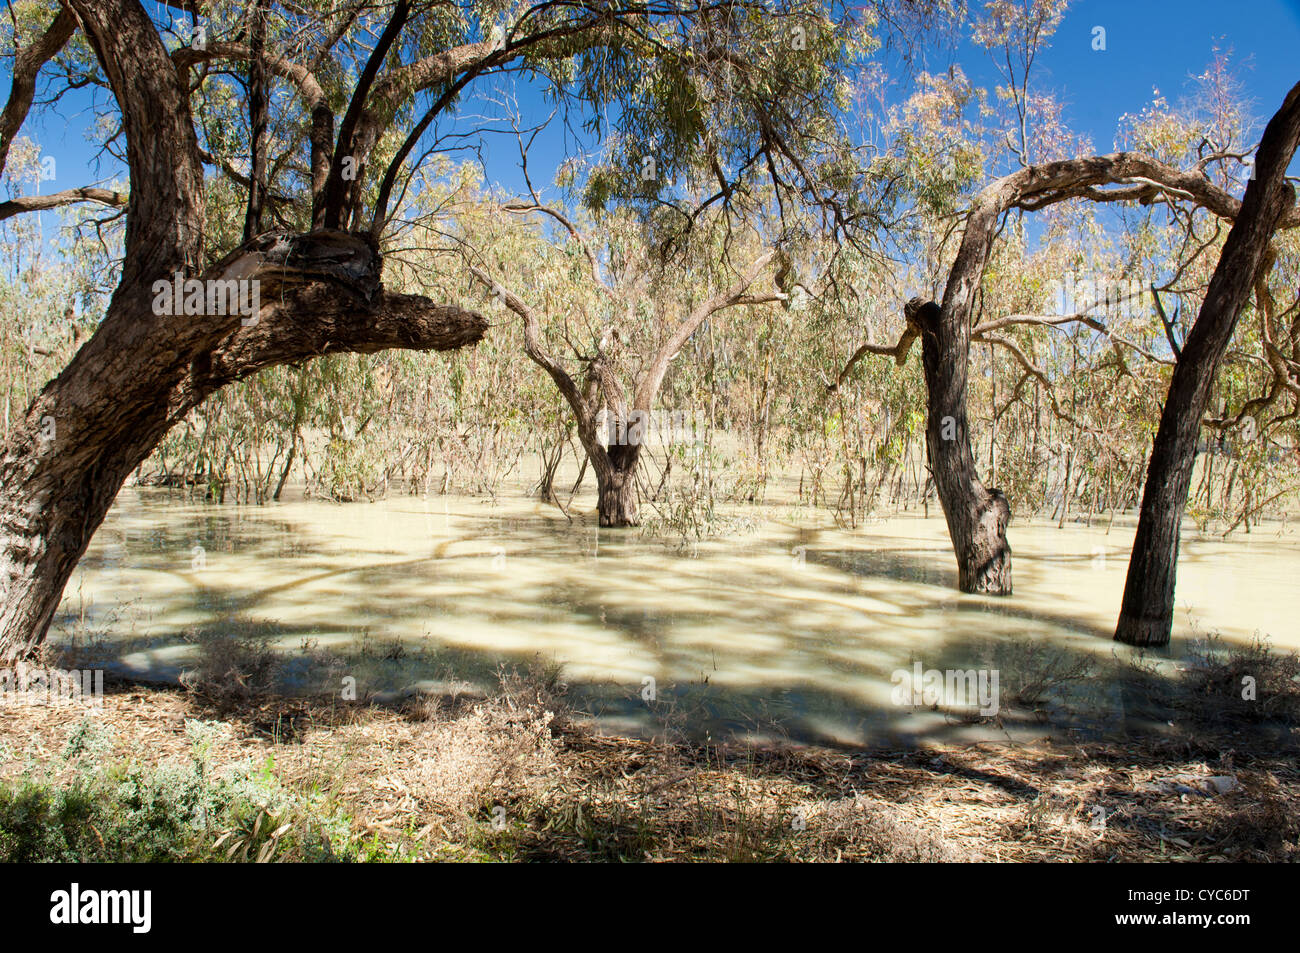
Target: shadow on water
(791, 633)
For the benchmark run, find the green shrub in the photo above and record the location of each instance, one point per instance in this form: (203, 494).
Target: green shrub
(99, 811)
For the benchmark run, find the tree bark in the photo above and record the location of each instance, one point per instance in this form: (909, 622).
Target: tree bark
(977, 517)
(1147, 613)
(616, 486)
(91, 427)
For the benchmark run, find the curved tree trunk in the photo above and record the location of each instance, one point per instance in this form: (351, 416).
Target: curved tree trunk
(92, 426)
(147, 364)
(977, 517)
(1147, 613)
(62, 465)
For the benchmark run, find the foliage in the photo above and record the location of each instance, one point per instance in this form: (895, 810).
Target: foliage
(723, 100)
(116, 811)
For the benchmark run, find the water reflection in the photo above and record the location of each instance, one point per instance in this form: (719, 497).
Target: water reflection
(792, 629)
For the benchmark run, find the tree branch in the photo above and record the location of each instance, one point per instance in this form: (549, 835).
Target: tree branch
(337, 189)
(317, 320)
(898, 351)
(27, 64)
(653, 376)
(38, 203)
(302, 78)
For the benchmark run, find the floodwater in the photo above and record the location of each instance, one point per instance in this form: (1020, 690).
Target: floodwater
(792, 627)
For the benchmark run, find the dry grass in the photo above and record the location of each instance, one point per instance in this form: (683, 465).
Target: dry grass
(515, 777)
(233, 671)
(1215, 688)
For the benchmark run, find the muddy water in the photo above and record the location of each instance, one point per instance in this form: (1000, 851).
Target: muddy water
(791, 628)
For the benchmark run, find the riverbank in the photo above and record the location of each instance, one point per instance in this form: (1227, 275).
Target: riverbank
(175, 774)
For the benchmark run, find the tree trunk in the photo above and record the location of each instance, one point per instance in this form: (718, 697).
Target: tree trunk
(49, 507)
(288, 465)
(92, 426)
(616, 487)
(1147, 614)
(977, 517)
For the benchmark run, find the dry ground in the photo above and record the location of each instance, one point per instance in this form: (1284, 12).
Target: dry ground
(515, 778)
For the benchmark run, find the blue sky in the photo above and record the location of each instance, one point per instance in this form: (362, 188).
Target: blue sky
(1150, 44)
(1161, 44)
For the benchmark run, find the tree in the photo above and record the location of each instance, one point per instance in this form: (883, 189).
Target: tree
(978, 516)
(1147, 612)
(611, 427)
(320, 277)
(744, 125)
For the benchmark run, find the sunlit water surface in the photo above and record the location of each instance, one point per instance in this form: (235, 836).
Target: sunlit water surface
(792, 627)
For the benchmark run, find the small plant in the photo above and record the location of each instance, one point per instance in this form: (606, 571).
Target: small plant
(1250, 683)
(540, 686)
(1037, 671)
(233, 668)
(119, 811)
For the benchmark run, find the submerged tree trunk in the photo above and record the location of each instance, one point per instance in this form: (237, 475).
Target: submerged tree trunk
(1147, 614)
(50, 505)
(616, 484)
(977, 517)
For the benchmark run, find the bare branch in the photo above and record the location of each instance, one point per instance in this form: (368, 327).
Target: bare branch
(27, 64)
(38, 203)
(653, 375)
